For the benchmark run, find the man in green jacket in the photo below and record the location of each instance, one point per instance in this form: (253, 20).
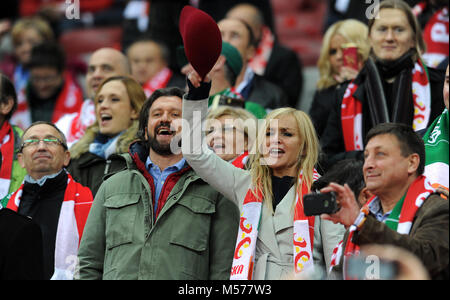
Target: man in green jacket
(157, 219)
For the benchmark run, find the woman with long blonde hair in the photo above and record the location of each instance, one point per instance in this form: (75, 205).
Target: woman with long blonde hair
(275, 237)
(332, 71)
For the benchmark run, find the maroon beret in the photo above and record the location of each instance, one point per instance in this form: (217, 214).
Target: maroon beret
(201, 38)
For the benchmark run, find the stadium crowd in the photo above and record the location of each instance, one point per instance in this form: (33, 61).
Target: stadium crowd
(212, 140)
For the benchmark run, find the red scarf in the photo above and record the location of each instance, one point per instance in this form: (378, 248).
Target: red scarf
(241, 160)
(351, 108)
(435, 35)
(417, 193)
(69, 101)
(7, 150)
(259, 62)
(158, 81)
(74, 125)
(75, 209)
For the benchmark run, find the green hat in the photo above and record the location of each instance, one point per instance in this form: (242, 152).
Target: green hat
(233, 57)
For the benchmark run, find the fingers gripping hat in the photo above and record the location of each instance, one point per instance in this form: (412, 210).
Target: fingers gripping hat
(201, 38)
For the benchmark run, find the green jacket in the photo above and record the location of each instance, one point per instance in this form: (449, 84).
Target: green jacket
(17, 173)
(192, 238)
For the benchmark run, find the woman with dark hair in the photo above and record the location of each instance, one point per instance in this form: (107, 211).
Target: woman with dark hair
(117, 105)
(11, 173)
(393, 86)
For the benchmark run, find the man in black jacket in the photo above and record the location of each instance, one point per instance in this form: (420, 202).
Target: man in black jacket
(20, 246)
(273, 61)
(251, 86)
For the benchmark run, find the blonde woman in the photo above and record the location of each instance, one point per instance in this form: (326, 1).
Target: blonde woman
(275, 238)
(118, 102)
(331, 67)
(230, 133)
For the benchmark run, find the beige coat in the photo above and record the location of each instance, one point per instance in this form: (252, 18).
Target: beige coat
(274, 247)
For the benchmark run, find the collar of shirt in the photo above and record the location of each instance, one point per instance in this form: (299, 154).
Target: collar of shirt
(42, 180)
(152, 168)
(376, 209)
(159, 177)
(248, 77)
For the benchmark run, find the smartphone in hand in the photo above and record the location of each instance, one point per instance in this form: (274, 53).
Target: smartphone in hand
(320, 203)
(350, 56)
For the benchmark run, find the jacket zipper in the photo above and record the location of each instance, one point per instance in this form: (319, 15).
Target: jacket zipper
(107, 167)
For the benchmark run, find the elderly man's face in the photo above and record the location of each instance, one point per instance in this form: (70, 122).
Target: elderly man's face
(104, 63)
(44, 157)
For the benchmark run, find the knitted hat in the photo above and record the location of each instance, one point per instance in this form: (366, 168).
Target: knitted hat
(201, 38)
(234, 60)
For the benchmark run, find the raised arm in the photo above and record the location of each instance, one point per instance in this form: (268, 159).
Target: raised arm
(221, 175)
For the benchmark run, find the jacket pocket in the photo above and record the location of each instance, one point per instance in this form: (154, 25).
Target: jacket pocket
(194, 218)
(189, 236)
(121, 213)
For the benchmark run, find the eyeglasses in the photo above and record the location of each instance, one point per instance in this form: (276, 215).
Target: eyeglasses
(49, 142)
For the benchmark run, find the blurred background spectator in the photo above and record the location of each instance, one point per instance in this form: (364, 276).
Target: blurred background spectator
(51, 92)
(333, 68)
(25, 34)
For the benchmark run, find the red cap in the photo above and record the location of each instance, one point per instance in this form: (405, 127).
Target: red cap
(201, 38)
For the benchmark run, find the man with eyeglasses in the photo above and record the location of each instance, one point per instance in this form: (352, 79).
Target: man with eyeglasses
(51, 197)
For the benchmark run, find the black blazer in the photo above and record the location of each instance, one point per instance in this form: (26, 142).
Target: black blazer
(332, 139)
(21, 254)
(266, 93)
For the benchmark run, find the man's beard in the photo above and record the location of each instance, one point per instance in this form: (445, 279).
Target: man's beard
(161, 149)
(152, 142)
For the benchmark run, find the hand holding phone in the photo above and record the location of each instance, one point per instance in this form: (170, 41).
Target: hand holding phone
(350, 56)
(348, 206)
(320, 203)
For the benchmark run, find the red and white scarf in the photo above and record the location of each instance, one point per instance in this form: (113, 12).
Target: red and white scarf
(69, 101)
(263, 52)
(74, 125)
(435, 35)
(244, 255)
(158, 81)
(7, 150)
(75, 208)
(241, 160)
(417, 193)
(351, 108)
